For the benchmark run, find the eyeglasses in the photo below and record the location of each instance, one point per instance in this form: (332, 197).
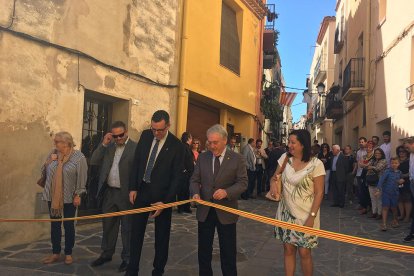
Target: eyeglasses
(159, 130)
(119, 135)
(196, 143)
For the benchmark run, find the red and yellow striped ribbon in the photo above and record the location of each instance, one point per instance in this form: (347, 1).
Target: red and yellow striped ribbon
(308, 230)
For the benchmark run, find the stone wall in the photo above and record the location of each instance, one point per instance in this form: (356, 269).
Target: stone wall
(55, 51)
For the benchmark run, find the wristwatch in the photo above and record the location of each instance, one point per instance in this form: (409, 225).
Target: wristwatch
(313, 214)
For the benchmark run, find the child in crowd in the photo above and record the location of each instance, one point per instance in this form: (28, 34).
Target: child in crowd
(388, 184)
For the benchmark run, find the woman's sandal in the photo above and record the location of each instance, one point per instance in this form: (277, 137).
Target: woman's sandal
(395, 224)
(383, 227)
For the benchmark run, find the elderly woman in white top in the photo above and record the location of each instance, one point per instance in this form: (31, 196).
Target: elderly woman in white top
(66, 174)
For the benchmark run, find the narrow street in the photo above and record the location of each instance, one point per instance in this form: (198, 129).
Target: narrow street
(258, 252)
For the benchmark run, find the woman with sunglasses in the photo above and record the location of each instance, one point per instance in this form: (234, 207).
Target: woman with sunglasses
(325, 155)
(404, 201)
(66, 174)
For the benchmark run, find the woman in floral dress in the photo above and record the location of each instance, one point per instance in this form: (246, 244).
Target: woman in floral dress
(302, 194)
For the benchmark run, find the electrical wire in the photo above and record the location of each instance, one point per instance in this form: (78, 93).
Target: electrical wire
(124, 72)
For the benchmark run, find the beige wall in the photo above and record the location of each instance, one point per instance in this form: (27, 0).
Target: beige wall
(39, 90)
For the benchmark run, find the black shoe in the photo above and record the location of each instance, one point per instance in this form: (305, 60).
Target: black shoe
(100, 261)
(123, 266)
(409, 238)
(335, 205)
(188, 211)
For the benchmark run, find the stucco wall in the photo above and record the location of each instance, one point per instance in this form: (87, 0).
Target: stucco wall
(39, 91)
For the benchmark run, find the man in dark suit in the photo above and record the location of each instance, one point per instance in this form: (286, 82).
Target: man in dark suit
(219, 176)
(337, 178)
(184, 190)
(155, 179)
(115, 157)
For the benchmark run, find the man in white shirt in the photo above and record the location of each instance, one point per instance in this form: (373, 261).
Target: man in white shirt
(386, 146)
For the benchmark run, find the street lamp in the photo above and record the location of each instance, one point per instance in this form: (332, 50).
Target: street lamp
(320, 88)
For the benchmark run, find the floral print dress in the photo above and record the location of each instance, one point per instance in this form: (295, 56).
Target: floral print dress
(297, 199)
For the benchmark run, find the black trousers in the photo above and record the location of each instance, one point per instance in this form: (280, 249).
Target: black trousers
(259, 178)
(251, 175)
(227, 241)
(363, 193)
(338, 188)
(114, 201)
(162, 239)
(69, 211)
(184, 194)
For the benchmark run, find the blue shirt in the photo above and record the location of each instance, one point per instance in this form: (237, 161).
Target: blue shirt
(388, 182)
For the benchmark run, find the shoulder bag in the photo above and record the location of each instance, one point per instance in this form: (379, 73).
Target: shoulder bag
(278, 195)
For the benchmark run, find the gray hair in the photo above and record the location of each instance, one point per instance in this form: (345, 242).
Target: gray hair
(66, 137)
(336, 146)
(218, 129)
(409, 140)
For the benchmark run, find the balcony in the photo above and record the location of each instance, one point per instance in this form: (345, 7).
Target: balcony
(334, 106)
(410, 96)
(319, 111)
(319, 72)
(339, 40)
(353, 80)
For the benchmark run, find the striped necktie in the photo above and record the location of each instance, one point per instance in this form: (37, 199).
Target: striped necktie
(151, 162)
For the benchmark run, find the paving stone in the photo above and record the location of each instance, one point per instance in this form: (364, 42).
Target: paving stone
(259, 253)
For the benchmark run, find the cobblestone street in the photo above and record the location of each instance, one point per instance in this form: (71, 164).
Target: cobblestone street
(258, 252)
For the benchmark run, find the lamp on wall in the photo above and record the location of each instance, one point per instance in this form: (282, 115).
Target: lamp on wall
(320, 88)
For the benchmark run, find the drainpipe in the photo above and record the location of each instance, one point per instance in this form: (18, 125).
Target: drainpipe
(367, 42)
(182, 101)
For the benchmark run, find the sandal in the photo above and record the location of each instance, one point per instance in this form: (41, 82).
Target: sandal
(383, 227)
(395, 224)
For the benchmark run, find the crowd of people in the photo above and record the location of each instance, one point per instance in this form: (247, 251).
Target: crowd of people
(376, 175)
(160, 168)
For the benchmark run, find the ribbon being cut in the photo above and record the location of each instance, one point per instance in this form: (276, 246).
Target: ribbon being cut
(270, 221)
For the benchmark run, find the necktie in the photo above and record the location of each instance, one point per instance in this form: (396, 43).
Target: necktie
(151, 161)
(216, 166)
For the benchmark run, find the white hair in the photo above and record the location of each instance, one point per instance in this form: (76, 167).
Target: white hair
(336, 147)
(217, 128)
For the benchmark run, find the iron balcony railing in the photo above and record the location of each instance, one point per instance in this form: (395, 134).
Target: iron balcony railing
(410, 93)
(353, 75)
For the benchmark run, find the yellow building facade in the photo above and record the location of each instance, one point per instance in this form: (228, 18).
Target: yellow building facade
(220, 67)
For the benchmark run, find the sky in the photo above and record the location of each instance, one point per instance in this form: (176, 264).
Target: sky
(298, 23)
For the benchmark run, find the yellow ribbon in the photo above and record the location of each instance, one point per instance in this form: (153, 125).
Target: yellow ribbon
(274, 222)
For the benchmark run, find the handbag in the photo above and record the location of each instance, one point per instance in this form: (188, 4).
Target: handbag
(372, 179)
(42, 180)
(278, 195)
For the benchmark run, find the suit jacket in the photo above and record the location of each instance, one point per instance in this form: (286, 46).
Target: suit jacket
(104, 157)
(167, 173)
(341, 167)
(232, 177)
(250, 158)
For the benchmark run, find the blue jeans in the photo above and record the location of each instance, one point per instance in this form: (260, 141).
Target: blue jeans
(69, 211)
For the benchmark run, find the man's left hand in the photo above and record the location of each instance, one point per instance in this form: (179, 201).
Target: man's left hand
(158, 212)
(220, 194)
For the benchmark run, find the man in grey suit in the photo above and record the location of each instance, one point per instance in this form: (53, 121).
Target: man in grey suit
(337, 177)
(248, 153)
(115, 156)
(220, 177)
